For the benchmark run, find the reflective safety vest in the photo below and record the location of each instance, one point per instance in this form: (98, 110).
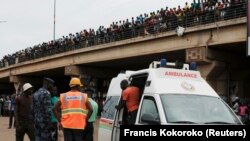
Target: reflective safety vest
(74, 110)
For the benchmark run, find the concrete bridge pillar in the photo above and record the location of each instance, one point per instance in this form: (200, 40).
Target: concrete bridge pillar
(216, 74)
(18, 87)
(222, 70)
(213, 71)
(18, 81)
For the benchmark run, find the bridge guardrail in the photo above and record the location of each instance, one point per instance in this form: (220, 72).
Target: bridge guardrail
(151, 25)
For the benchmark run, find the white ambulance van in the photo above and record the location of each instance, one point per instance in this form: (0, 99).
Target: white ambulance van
(168, 96)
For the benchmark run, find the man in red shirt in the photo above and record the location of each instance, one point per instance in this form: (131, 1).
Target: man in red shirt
(130, 98)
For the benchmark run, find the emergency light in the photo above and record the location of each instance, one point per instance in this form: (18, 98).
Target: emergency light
(164, 64)
(193, 66)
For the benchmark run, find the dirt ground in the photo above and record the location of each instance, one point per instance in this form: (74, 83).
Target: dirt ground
(9, 134)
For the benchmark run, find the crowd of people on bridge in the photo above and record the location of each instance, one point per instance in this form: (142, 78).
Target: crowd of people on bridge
(164, 19)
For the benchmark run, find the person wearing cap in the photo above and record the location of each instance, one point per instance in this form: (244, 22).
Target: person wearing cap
(24, 122)
(89, 130)
(75, 111)
(42, 111)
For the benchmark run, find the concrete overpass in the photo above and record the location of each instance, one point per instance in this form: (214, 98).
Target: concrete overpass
(219, 48)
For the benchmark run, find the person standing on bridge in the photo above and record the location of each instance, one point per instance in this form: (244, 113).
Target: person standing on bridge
(42, 111)
(24, 122)
(76, 110)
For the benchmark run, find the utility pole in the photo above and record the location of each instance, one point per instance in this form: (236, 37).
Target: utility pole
(54, 36)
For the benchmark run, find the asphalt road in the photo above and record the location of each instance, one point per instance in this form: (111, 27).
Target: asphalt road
(9, 134)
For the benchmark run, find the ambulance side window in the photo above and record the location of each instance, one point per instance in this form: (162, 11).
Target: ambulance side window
(109, 107)
(149, 112)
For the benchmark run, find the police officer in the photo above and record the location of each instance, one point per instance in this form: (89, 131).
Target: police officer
(75, 111)
(42, 111)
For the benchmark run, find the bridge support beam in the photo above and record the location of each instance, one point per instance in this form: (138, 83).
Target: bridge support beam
(197, 54)
(216, 74)
(212, 67)
(219, 68)
(18, 81)
(211, 70)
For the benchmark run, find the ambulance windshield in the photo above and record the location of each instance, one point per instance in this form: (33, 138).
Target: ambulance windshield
(197, 109)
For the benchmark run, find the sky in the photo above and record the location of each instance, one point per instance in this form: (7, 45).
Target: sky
(25, 23)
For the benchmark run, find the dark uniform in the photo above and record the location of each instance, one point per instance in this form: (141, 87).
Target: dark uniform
(42, 109)
(24, 118)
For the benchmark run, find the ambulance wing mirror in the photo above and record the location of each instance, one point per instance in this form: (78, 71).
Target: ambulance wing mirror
(150, 119)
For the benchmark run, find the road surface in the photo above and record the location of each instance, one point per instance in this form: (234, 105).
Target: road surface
(9, 134)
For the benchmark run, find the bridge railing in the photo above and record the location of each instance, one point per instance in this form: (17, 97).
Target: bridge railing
(153, 25)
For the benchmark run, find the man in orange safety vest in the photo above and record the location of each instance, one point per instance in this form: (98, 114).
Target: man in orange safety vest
(75, 111)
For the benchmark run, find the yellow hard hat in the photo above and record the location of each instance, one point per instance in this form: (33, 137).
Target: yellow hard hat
(75, 81)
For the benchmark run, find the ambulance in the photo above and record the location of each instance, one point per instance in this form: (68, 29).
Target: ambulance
(171, 93)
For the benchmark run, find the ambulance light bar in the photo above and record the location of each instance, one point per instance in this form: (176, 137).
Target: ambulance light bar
(193, 66)
(164, 64)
